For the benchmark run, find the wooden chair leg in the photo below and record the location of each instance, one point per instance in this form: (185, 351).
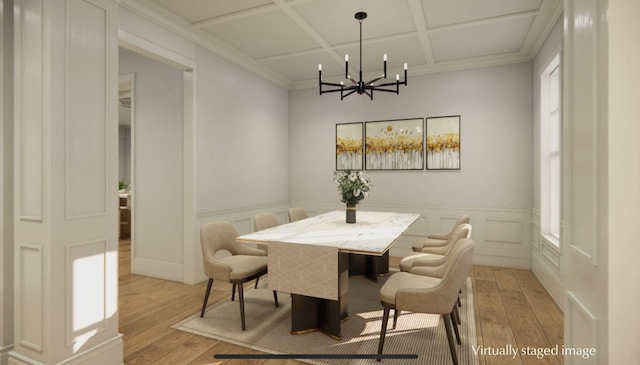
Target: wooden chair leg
(455, 325)
(383, 330)
(275, 298)
(257, 280)
(206, 297)
(452, 346)
(241, 299)
(233, 292)
(396, 314)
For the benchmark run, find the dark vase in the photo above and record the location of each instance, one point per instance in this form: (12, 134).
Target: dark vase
(351, 214)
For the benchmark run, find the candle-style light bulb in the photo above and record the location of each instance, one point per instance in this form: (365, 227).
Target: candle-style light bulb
(319, 67)
(346, 58)
(384, 57)
(405, 66)
(397, 77)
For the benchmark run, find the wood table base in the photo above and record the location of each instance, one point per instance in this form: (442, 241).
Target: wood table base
(368, 265)
(310, 314)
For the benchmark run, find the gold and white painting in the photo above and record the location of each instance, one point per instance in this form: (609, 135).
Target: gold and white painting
(394, 145)
(443, 143)
(349, 146)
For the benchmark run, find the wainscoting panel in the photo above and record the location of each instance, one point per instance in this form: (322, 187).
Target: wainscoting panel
(86, 110)
(86, 290)
(546, 261)
(29, 99)
(582, 329)
(503, 230)
(243, 225)
(30, 304)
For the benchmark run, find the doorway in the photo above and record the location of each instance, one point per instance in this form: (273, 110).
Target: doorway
(126, 117)
(161, 190)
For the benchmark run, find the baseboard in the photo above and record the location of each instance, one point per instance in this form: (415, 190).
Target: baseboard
(551, 282)
(502, 261)
(4, 354)
(109, 352)
(157, 269)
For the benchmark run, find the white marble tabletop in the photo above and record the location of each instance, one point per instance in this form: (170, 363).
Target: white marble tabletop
(373, 233)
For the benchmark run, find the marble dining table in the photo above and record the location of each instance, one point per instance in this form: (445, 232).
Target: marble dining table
(309, 260)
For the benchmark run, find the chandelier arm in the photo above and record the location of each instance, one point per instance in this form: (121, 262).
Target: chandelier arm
(349, 93)
(389, 84)
(386, 90)
(352, 80)
(331, 84)
(374, 80)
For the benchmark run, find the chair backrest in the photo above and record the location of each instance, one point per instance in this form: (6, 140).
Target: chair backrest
(441, 298)
(297, 213)
(462, 231)
(463, 219)
(265, 220)
(216, 236)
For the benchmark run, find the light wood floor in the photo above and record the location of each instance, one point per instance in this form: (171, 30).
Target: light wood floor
(512, 309)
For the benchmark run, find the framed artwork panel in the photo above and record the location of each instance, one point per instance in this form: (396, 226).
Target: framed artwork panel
(394, 144)
(349, 146)
(443, 143)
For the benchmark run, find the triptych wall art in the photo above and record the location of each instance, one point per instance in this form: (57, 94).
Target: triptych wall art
(399, 144)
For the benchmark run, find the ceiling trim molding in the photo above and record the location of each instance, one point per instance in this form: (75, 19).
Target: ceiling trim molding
(167, 20)
(535, 47)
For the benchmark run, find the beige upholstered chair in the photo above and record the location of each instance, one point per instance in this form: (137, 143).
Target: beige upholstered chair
(297, 213)
(436, 253)
(244, 264)
(439, 239)
(263, 221)
(428, 294)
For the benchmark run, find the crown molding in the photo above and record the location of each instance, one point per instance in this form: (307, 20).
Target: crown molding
(167, 20)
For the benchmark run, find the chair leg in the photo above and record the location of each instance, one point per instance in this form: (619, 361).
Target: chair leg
(206, 297)
(383, 330)
(452, 346)
(455, 325)
(396, 314)
(275, 298)
(241, 299)
(456, 315)
(257, 280)
(233, 292)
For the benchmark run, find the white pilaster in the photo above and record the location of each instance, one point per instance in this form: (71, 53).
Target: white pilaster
(6, 180)
(65, 201)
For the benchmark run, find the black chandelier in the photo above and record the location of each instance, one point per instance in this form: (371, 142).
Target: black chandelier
(360, 86)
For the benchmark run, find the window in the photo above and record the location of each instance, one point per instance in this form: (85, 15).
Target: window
(551, 148)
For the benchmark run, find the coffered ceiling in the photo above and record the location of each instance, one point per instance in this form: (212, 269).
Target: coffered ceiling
(289, 38)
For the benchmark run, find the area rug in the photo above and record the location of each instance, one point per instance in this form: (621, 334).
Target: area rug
(268, 328)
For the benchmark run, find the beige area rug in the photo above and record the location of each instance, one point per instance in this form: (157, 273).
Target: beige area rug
(268, 328)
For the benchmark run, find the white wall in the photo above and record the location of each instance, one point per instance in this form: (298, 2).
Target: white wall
(545, 260)
(158, 165)
(124, 153)
(494, 184)
(242, 139)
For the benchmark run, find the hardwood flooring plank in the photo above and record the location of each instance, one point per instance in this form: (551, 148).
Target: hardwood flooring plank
(499, 339)
(483, 273)
(505, 279)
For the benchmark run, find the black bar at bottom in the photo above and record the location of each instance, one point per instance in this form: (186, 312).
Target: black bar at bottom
(313, 356)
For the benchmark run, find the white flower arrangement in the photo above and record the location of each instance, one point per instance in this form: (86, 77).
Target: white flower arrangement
(352, 186)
